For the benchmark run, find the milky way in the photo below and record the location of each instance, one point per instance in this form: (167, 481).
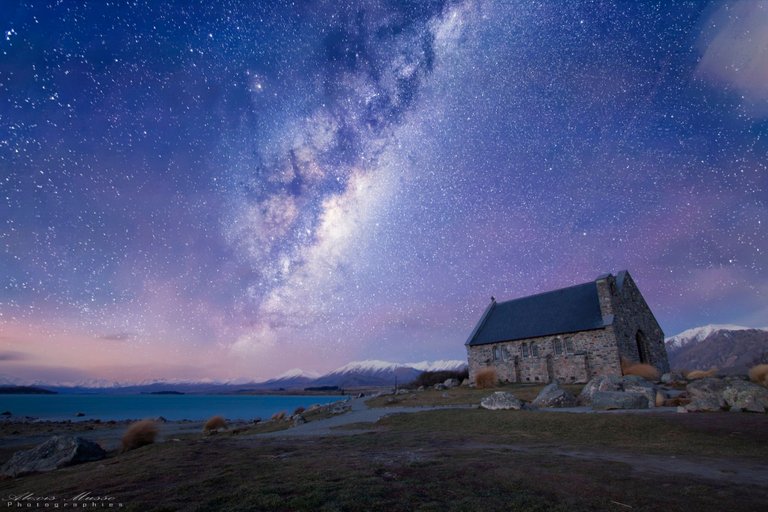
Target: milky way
(230, 191)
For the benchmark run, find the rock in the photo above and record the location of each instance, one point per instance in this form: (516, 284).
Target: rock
(554, 396)
(256, 420)
(670, 377)
(298, 419)
(57, 452)
(340, 408)
(440, 387)
(80, 415)
(451, 383)
(741, 395)
(635, 384)
(706, 395)
(601, 383)
(607, 400)
(501, 400)
(465, 383)
(420, 388)
(161, 419)
(402, 392)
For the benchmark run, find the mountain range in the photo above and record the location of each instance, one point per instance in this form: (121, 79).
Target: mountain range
(730, 348)
(355, 374)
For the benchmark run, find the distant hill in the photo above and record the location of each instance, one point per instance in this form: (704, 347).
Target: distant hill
(24, 390)
(731, 348)
(355, 374)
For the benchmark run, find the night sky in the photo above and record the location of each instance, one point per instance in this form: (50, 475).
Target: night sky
(227, 190)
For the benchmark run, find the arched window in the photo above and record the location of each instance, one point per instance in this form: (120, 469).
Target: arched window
(534, 350)
(558, 347)
(524, 350)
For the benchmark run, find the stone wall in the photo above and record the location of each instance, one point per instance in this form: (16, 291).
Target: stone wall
(584, 355)
(632, 314)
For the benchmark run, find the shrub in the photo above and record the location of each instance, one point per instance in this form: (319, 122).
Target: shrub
(645, 371)
(139, 434)
(759, 374)
(701, 374)
(214, 424)
(486, 378)
(429, 379)
(279, 416)
(299, 410)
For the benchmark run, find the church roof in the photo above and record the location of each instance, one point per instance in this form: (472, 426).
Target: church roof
(572, 309)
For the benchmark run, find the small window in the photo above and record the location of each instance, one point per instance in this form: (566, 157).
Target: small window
(496, 353)
(524, 350)
(501, 354)
(534, 350)
(569, 346)
(558, 346)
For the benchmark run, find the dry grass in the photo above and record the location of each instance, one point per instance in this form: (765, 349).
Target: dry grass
(701, 374)
(279, 416)
(486, 378)
(643, 370)
(214, 424)
(759, 374)
(139, 434)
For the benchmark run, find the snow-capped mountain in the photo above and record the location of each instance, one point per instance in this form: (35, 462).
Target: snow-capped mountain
(356, 373)
(698, 334)
(727, 347)
(383, 373)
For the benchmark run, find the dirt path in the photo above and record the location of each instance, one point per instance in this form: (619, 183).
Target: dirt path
(360, 413)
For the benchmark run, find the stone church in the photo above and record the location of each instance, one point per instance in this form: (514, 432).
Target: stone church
(571, 335)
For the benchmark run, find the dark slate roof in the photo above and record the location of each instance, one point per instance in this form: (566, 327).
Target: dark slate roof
(572, 309)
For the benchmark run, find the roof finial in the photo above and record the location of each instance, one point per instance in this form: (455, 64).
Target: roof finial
(493, 299)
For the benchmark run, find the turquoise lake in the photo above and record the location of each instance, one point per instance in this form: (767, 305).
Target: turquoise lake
(170, 407)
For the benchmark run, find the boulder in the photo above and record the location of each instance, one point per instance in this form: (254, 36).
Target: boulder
(706, 395)
(501, 400)
(451, 383)
(635, 384)
(601, 383)
(440, 387)
(741, 395)
(57, 452)
(607, 400)
(340, 408)
(465, 383)
(402, 391)
(554, 396)
(670, 377)
(298, 419)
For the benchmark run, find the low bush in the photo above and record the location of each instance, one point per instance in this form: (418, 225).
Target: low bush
(139, 434)
(701, 374)
(486, 378)
(645, 371)
(299, 410)
(429, 379)
(759, 374)
(279, 416)
(214, 424)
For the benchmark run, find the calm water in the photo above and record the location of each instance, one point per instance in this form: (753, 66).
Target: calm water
(171, 407)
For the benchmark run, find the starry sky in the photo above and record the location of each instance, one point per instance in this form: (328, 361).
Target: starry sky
(228, 190)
